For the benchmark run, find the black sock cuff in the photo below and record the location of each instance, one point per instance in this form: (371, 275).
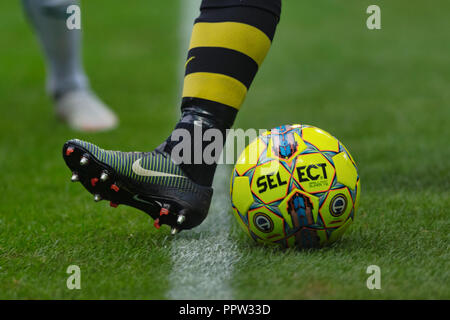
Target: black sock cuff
(217, 115)
(201, 173)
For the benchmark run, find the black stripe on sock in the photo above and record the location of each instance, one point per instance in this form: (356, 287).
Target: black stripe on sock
(261, 19)
(272, 6)
(224, 61)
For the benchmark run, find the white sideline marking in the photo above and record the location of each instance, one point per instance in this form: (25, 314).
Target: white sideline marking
(203, 258)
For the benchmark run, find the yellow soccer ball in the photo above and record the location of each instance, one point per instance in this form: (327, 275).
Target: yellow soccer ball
(296, 186)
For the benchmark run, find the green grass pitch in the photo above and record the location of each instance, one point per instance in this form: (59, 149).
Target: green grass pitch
(384, 93)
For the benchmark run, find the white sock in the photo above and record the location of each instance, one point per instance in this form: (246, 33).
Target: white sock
(62, 47)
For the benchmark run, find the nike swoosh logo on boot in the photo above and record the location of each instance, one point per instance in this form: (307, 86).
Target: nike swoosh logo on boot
(137, 169)
(137, 198)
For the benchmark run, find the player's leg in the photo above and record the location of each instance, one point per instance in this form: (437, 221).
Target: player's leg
(67, 82)
(229, 42)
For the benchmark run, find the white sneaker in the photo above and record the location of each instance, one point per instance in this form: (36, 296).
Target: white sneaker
(82, 110)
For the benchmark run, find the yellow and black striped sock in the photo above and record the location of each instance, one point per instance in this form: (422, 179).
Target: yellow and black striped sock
(229, 42)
